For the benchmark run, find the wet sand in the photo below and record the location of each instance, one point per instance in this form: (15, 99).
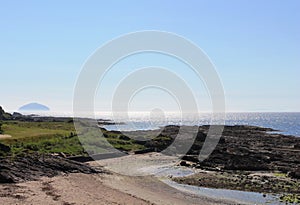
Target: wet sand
(104, 188)
(137, 175)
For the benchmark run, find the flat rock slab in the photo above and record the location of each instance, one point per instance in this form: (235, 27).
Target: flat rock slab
(32, 167)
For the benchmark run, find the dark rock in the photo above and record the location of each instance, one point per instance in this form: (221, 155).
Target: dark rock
(295, 173)
(191, 158)
(201, 137)
(4, 148)
(4, 115)
(245, 148)
(144, 151)
(183, 163)
(32, 167)
(297, 146)
(222, 140)
(16, 114)
(123, 137)
(1, 111)
(246, 164)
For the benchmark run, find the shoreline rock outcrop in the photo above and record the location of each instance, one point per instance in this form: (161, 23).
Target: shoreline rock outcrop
(245, 148)
(34, 166)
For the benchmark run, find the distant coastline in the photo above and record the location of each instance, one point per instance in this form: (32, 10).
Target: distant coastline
(285, 122)
(247, 158)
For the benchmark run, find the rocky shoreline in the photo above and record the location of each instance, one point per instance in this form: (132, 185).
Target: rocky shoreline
(247, 158)
(34, 166)
(241, 148)
(250, 148)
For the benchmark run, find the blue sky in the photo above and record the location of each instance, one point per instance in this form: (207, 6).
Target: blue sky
(255, 46)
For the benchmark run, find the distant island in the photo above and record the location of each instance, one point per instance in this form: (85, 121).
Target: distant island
(34, 107)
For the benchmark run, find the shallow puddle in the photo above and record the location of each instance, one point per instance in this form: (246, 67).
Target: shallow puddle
(240, 197)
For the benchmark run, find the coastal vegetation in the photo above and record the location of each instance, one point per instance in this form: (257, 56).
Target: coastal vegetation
(41, 137)
(59, 137)
(247, 158)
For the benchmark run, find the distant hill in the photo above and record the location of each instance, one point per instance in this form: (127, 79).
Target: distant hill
(34, 107)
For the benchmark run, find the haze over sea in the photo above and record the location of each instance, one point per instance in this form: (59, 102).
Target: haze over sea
(285, 122)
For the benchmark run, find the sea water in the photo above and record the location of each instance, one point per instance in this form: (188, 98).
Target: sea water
(285, 123)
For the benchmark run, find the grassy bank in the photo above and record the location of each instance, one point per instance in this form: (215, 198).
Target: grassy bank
(42, 137)
(59, 137)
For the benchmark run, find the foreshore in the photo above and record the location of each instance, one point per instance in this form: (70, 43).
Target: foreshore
(107, 187)
(39, 163)
(132, 179)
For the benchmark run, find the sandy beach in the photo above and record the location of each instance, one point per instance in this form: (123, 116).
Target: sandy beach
(71, 189)
(104, 188)
(4, 136)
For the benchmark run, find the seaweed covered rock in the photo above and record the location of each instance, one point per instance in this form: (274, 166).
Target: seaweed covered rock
(249, 148)
(295, 173)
